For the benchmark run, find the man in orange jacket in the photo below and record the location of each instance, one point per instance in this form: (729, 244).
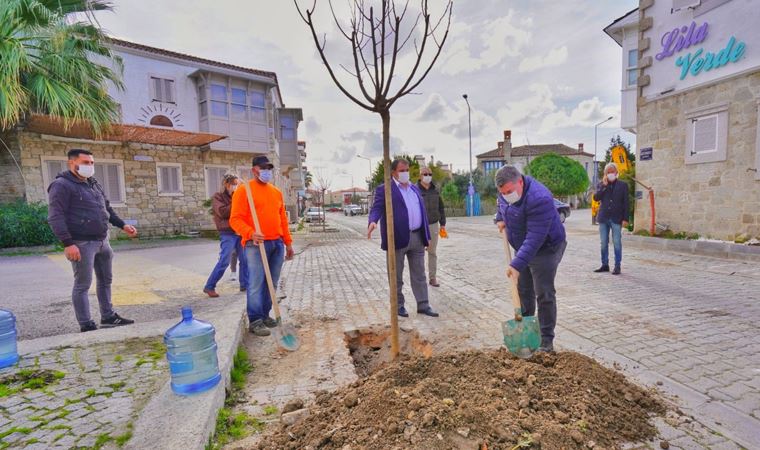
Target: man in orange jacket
(274, 238)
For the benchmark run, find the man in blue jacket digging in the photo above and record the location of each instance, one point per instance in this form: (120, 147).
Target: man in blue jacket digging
(526, 209)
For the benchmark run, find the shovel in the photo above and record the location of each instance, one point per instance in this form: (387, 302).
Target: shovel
(521, 334)
(284, 335)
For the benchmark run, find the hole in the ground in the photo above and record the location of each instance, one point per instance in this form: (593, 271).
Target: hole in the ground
(371, 347)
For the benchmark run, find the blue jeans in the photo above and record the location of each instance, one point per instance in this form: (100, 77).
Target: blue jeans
(259, 301)
(227, 243)
(617, 244)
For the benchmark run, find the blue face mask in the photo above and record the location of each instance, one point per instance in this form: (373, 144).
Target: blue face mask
(265, 175)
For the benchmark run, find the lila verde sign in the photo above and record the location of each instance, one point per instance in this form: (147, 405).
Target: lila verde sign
(698, 61)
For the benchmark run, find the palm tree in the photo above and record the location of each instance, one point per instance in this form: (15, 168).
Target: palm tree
(308, 179)
(56, 64)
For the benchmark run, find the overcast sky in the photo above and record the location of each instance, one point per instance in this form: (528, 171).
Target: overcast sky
(542, 68)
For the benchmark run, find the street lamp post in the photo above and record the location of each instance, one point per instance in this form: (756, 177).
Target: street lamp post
(596, 167)
(470, 188)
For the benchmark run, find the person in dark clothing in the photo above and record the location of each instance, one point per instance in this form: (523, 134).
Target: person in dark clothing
(229, 241)
(612, 194)
(526, 209)
(79, 213)
(436, 219)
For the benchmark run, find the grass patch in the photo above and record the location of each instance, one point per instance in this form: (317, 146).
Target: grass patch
(31, 441)
(102, 440)
(122, 439)
(12, 430)
(89, 393)
(141, 361)
(60, 426)
(270, 410)
(6, 391)
(117, 386)
(231, 428)
(118, 358)
(33, 379)
(241, 367)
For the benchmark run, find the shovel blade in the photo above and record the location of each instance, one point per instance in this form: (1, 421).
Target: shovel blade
(522, 338)
(286, 337)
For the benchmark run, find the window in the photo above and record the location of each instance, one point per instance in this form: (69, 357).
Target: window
(219, 100)
(214, 177)
(238, 106)
(632, 71)
(288, 129)
(258, 106)
(162, 89)
(202, 103)
(244, 172)
(707, 134)
(683, 4)
(169, 179)
(492, 166)
(108, 173)
(161, 121)
(52, 166)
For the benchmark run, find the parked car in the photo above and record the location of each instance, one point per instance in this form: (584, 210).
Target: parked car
(314, 214)
(562, 208)
(352, 210)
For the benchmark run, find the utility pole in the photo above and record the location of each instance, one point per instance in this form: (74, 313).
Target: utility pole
(471, 187)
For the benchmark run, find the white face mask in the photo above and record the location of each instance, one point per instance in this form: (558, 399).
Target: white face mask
(86, 171)
(232, 189)
(265, 175)
(611, 177)
(403, 177)
(427, 179)
(512, 197)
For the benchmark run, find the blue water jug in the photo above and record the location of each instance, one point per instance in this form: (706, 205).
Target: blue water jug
(191, 352)
(8, 351)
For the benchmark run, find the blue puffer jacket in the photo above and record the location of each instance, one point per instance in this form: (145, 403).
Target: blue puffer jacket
(532, 221)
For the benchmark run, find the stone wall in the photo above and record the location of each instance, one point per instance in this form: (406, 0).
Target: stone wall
(11, 183)
(154, 214)
(719, 199)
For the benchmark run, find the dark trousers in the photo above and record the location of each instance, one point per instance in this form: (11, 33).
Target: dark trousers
(536, 285)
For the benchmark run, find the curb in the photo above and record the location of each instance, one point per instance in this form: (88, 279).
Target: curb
(707, 248)
(173, 422)
(714, 414)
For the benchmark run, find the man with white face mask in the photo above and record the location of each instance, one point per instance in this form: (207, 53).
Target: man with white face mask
(436, 216)
(526, 209)
(612, 194)
(411, 234)
(79, 213)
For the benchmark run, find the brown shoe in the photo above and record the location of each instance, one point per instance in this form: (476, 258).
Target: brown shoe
(211, 293)
(434, 282)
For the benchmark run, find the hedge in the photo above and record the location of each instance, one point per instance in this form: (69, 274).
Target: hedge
(24, 224)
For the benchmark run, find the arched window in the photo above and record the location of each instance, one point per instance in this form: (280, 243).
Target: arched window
(161, 121)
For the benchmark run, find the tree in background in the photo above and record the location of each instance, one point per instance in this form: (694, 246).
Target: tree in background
(308, 179)
(48, 65)
(451, 195)
(439, 176)
(615, 142)
(561, 175)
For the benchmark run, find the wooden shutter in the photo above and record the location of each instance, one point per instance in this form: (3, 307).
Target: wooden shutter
(113, 183)
(705, 134)
(54, 167)
(168, 91)
(214, 176)
(157, 89)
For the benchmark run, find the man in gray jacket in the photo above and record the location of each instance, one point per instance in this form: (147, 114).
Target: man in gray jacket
(78, 214)
(436, 215)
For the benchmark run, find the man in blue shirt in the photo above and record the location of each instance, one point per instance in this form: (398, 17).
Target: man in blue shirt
(411, 234)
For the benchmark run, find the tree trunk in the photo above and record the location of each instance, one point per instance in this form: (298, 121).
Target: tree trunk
(391, 253)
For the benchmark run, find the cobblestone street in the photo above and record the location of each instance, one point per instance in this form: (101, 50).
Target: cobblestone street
(683, 324)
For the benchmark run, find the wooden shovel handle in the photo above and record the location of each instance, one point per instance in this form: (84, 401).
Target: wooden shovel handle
(512, 282)
(263, 252)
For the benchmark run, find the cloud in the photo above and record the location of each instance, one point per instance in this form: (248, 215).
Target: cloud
(475, 46)
(555, 57)
(587, 113)
(373, 143)
(344, 154)
(434, 109)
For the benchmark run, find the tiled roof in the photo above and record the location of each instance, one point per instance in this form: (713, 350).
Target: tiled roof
(534, 150)
(120, 133)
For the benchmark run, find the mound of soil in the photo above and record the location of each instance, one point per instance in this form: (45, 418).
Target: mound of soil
(477, 400)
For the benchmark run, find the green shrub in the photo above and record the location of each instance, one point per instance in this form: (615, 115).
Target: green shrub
(24, 224)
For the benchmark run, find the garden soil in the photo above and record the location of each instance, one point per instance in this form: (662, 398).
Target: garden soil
(477, 400)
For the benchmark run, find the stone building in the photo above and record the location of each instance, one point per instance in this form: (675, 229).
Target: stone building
(692, 75)
(185, 122)
(520, 156)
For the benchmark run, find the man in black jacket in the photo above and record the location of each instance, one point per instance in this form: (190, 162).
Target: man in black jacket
(436, 219)
(612, 217)
(78, 214)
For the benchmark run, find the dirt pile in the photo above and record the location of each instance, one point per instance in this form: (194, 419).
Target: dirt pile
(477, 400)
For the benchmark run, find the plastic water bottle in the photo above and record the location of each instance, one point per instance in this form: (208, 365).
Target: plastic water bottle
(191, 352)
(8, 351)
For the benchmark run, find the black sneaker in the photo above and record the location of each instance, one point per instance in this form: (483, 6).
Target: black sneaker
(89, 326)
(546, 347)
(402, 312)
(616, 271)
(115, 321)
(604, 268)
(270, 323)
